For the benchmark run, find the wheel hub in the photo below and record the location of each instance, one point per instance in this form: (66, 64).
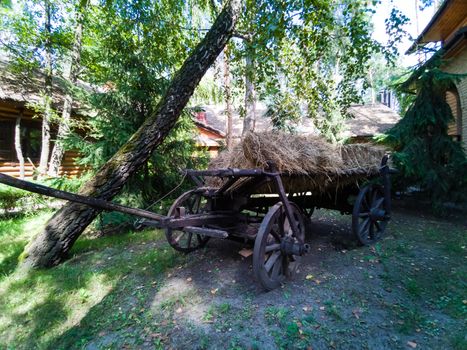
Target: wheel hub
(377, 214)
(290, 247)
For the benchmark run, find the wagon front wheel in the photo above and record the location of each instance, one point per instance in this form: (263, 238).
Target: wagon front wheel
(180, 240)
(369, 217)
(271, 265)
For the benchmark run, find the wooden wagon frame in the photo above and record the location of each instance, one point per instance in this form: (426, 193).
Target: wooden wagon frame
(262, 206)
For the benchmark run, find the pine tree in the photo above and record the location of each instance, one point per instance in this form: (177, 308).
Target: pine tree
(426, 155)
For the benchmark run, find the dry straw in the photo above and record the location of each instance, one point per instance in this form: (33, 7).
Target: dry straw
(307, 162)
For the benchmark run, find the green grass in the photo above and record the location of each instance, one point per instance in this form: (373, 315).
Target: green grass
(68, 305)
(15, 233)
(276, 315)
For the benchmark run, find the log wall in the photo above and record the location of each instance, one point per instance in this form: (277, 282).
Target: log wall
(9, 165)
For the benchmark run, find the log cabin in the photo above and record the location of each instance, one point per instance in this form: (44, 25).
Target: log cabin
(18, 92)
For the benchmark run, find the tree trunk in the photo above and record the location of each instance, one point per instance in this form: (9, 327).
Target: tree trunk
(71, 77)
(372, 86)
(51, 246)
(45, 141)
(250, 97)
(228, 98)
(19, 151)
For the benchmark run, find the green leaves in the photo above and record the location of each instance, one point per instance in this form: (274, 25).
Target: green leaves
(314, 50)
(427, 157)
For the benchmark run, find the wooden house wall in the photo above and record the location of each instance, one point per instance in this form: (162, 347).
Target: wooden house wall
(458, 65)
(8, 161)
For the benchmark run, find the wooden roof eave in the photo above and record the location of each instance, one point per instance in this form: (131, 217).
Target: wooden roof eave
(450, 15)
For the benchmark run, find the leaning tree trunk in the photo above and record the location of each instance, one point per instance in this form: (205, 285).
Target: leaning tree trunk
(72, 76)
(61, 231)
(45, 141)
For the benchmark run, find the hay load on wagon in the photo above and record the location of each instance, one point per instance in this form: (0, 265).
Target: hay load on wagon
(308, 163)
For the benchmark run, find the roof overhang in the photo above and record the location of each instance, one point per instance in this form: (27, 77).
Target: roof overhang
(451, 15)
(209, 128)
(456, 44)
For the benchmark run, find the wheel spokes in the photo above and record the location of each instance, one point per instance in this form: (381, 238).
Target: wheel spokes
(272, 247)
(364, 227)
(277, 236)
(272, 260)
(277, 269)
(190, 236)
(377, 203)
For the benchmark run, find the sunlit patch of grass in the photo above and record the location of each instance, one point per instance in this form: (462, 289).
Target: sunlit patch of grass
(15, 233)
(70, 303)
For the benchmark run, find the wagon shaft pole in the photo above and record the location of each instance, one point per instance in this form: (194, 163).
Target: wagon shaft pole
(92, 202)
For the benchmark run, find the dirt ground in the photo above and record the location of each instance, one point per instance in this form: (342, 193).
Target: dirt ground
(408, 291)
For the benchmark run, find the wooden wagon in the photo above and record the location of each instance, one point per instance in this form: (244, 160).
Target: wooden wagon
(270, 208)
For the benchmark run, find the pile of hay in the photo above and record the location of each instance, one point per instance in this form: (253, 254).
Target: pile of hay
(361, 156)
(310, 161)
(298, 155)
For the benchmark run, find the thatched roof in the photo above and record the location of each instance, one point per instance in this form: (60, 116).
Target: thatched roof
(21, 88)
(216, 117)
(369, 120)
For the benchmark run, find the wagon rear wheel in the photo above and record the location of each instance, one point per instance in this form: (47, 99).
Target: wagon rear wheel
(369, 217)
(270, 264)
(180, 240)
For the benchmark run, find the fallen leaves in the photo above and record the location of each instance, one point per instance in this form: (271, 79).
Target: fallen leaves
(357, 312)
(245, 252)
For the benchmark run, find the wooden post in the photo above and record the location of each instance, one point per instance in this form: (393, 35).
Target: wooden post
(19, 151)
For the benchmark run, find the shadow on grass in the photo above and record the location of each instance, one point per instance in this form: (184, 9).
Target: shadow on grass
(11, 253)
(39, 306)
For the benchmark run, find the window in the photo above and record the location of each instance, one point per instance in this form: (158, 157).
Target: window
(6, 140)
(31, 135)
(455, 127)
(31, 142)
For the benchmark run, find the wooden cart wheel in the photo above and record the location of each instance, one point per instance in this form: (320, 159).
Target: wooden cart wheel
(369, 217)
(270, 265)
(180, 240)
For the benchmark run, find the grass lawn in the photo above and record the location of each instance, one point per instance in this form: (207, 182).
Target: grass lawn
(133, 291)
(38, 309)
